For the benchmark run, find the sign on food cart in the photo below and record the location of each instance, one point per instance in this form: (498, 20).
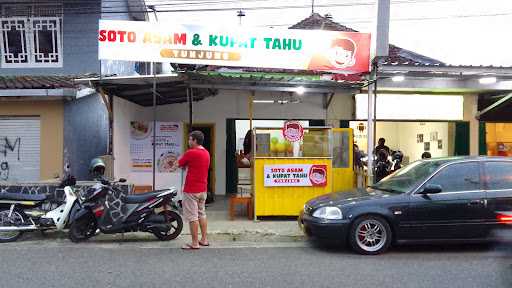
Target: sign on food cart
(295, 175)
(347, 52)
(293, 131)
(168, 145)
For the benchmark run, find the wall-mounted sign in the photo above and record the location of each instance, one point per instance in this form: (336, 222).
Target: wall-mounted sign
(293, 131)
(347, 52)
(412, 107)
(168, 145)
(295, 175)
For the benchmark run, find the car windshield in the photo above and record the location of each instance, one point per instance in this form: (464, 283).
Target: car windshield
(407, 178)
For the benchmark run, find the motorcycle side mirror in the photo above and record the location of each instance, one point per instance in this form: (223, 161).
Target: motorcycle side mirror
(122, 180)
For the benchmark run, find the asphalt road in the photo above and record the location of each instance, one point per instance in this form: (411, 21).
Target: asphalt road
(63, 264)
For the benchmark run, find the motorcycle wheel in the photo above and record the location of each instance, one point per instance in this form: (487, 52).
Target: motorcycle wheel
(176, 224)
(17, 218)
(82, 230)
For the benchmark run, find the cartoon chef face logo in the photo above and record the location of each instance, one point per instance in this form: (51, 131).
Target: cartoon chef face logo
(343, 53)
(293, 131)
(318, 175)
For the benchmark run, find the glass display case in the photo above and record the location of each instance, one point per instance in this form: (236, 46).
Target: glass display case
(316, 142)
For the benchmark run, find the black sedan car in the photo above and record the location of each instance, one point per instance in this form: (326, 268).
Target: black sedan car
(445, 199)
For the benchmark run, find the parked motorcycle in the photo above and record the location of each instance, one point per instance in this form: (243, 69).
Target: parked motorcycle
(21, 213)
(382, 165)
(106, 208)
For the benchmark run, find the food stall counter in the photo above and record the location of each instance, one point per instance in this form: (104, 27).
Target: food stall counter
(291, 166)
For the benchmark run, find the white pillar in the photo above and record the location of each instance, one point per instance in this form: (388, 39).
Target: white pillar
(371, 126)
(380, 48)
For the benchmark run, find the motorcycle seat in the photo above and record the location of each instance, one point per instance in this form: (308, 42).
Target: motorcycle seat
(22, 197)
(144, 197)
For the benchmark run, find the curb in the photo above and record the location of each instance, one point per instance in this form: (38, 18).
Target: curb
(218, 236)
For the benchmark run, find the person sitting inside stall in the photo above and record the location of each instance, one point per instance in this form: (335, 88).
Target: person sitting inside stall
(426, 155)
(247, 149)
(357, 157)
(381, 146)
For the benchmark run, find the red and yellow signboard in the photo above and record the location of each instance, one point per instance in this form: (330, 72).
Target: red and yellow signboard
(346, 52)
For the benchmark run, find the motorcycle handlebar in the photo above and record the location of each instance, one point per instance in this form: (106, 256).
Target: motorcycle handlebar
(106, 182)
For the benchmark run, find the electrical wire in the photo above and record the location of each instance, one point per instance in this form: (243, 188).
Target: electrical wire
(83, 5)
(80, 10)
(348, 22)
(114, 9)
(188, 2)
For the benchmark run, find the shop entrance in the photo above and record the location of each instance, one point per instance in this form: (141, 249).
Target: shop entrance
(209, 143)
(498, 139)
(413, 138)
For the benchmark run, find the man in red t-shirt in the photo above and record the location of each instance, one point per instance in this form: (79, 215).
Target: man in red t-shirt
(197, 162)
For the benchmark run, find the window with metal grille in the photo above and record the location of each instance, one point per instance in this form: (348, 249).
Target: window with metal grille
(31, 36)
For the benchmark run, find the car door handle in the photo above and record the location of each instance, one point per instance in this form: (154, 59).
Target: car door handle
(475, 202)
(472, 181)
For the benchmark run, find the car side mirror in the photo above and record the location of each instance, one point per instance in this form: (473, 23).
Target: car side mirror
(431, 189)
(122, 180)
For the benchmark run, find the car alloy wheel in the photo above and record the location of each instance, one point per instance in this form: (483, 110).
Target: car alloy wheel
(370, 235)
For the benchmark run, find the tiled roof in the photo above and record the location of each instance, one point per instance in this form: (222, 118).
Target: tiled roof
(38, 82)
(397, 55)
(319, 22)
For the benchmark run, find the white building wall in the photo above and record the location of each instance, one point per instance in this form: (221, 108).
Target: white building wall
(215, 110)
(124, 112)
(342, 107)
(234, 104)
(403, 136)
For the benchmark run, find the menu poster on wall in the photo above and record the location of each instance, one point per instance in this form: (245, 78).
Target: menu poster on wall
(295, 175)
(168, 145)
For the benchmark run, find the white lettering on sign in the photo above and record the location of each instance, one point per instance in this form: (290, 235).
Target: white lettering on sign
(295, 175)
(347, 52)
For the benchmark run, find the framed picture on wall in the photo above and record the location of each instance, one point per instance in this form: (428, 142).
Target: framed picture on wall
(433, 136)
(440, 144)
(426, 146)
(419, 138)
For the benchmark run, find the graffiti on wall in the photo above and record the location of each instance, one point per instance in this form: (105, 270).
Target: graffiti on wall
(8, 146)
(4, 171)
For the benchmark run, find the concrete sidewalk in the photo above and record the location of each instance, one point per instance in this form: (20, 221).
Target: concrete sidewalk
(223, 230)
(220, 229)
(242, 229)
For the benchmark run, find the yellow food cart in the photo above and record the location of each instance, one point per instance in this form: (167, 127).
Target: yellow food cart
(286, 174)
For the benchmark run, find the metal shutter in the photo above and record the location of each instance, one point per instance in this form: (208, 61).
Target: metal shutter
(19, 149)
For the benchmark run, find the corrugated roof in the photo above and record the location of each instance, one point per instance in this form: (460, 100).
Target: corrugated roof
(38, 82)
(286, 78)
